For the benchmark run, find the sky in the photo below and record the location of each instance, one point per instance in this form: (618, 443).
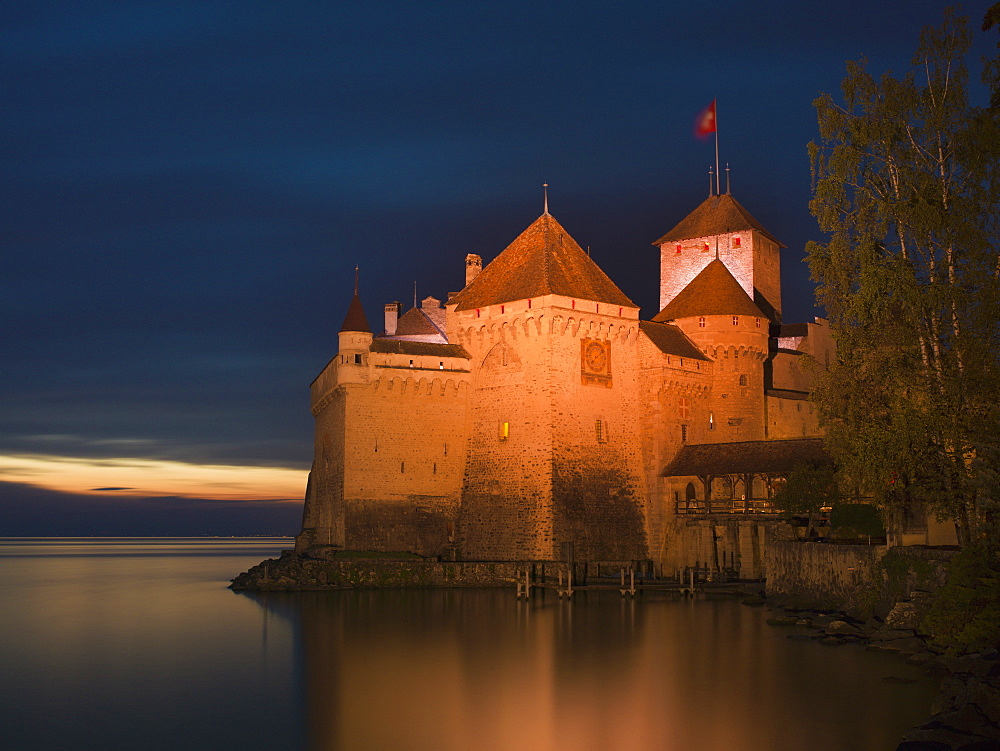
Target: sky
(188, 186)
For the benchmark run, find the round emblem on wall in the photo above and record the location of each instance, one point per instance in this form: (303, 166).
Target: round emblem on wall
(596, 357)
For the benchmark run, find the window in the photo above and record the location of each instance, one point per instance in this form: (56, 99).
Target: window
(435, 468)
(357, 359)
(504, 431)
(701, 322)
(601, 429)
(678, 247)
(704, 247)
(402, 467)
(736, 320)
(441, 365)
(411, 363)
(446, 449)
(743, 380)
(711, 421)
(757, 320)
(737, 241)
(684, 433)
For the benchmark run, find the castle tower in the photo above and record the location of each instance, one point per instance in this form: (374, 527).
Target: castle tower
(323, 519)
(717, 314)
(554, 464)
(721, 228)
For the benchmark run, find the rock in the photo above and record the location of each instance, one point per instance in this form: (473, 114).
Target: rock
(921, 658)
(904, 615)
(910, 645)
(782, 620)
(888, 634)
(803, 622)
(832, 641)
(843, 628)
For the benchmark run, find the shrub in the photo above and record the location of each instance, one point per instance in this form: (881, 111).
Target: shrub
(966, 612)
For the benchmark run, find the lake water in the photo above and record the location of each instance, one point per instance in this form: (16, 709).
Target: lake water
(137, 644)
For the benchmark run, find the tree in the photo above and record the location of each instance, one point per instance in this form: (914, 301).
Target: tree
(905, 179)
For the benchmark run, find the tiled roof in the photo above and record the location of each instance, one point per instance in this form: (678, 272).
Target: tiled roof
(746, 456)
(543, 260)
(714, 292)
(717, 215)
(670, 340)
(355, 320)
(399, 347)
(415, 322)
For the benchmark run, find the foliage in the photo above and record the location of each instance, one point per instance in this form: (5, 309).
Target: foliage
(966, 612)
(856, 520)
(808, 489)
(907, 186)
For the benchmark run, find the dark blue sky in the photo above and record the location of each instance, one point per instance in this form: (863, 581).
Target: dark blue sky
(188, 186)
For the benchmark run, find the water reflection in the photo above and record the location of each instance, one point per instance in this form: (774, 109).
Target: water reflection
(455, 669)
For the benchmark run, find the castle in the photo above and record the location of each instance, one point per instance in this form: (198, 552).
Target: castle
(534, 416)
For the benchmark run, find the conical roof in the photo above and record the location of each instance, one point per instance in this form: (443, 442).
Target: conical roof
(714, 292)
(543, 260)
(717, 215)
(355, 320)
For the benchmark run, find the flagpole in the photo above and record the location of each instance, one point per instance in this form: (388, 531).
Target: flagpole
(718, 187)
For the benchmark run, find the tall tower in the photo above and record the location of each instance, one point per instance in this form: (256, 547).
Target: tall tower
(721, 228)
(554, 459)
(323, 517)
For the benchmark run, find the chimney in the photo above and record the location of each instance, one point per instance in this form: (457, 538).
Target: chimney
(473, 265)
(391, 316)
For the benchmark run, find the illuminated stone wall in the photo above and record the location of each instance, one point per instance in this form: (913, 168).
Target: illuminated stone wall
(390, 445)
(551, 476)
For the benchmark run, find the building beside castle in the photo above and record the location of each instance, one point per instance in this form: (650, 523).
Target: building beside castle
(535, 416)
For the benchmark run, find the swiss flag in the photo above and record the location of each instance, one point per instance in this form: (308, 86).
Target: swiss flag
(705, 123)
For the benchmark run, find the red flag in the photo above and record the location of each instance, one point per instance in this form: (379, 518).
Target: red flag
(705, 123)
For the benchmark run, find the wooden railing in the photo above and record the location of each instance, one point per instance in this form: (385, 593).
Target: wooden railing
(727, 507)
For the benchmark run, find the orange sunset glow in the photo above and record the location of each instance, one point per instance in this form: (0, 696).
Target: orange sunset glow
(147, 477)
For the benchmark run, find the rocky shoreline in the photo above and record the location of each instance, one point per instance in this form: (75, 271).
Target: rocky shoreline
(965, 716)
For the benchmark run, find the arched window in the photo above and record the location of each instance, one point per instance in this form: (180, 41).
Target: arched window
(743, 380)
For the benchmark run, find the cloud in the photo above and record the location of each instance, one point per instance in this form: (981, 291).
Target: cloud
(147, 478)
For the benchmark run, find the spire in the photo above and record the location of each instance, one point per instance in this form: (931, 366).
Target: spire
(356, 320)
(545, 203)
(727, 179)
(711, 182)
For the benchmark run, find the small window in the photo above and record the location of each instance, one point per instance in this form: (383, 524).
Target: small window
(402, 467)
(504, 431)
(678, 248)
(435, 468)
(357, 359)
(684, 433)
(446, 449)
(743, 380)
(757, 321)
(701, 322)
(601, 429)
(704, 247)
(441, 365)
(737, 241)
(736, 320)
(711, 421)
(682, 362)
(411, 363)
(501, 308)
